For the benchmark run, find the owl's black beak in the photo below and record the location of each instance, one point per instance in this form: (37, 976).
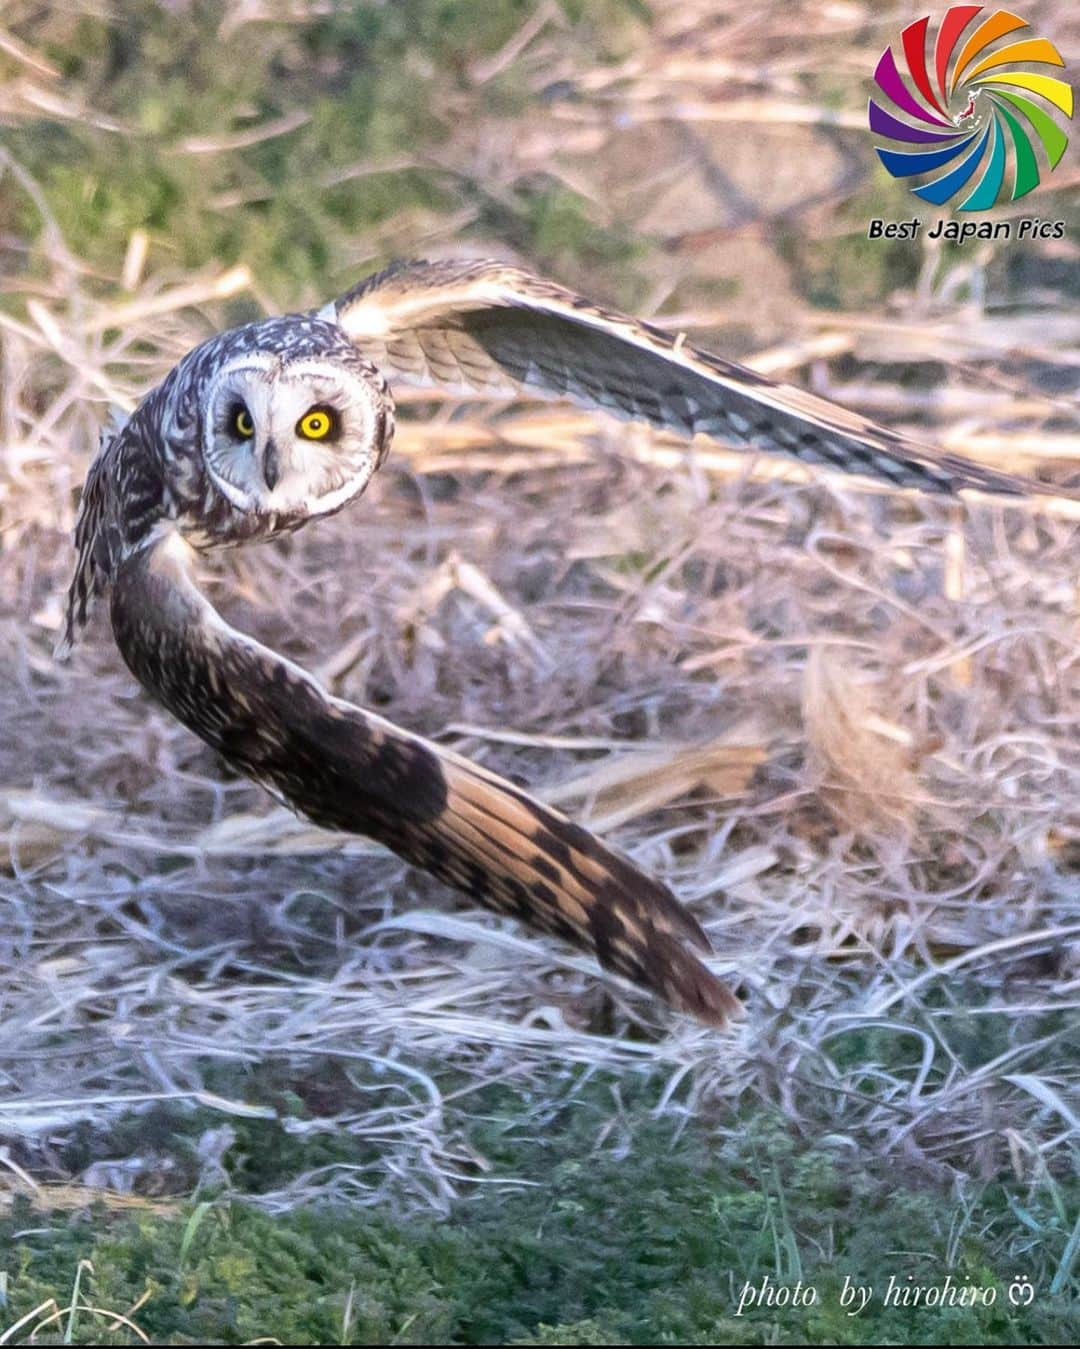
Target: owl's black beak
(271, 465)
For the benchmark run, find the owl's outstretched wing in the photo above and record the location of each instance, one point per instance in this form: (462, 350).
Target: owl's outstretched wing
(482, 327)
(349, 769)
(122, 490)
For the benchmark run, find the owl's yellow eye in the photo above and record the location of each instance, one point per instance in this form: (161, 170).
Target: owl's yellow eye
(316, 424)
(242, 423)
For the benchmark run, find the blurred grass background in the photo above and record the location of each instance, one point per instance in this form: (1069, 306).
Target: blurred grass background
(242, 1066)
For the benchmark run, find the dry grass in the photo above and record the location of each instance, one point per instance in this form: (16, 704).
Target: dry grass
(841, 723)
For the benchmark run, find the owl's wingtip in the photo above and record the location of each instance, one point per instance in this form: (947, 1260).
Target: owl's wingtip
(708, 999)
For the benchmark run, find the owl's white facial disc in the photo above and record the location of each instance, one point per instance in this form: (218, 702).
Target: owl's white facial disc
(295, 438)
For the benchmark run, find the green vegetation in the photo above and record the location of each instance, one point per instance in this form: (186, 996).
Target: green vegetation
(367, 97)
(280, 143)
(644, 1235)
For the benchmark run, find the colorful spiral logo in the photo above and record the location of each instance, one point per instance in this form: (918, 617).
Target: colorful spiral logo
(971, 108)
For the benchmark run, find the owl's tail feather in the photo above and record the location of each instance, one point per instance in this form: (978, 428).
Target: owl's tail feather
(351, 770)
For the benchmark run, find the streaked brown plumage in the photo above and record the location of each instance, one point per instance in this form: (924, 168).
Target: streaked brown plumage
(217, 455)
(348, 769)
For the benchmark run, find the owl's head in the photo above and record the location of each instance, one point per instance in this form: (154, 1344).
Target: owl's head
(294, 435)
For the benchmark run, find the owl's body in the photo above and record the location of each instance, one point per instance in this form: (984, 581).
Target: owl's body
(267, 426)
(152, 471)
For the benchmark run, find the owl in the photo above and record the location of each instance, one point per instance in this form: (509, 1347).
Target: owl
(268, 426)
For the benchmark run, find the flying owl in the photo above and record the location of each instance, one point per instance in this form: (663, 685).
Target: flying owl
(270, 425)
